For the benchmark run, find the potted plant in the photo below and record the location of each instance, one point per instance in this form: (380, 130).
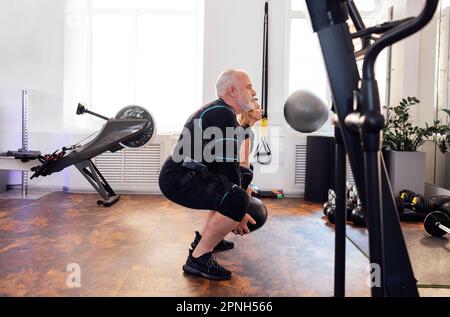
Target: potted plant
(444, 139)
(401, 140)
(444, 144)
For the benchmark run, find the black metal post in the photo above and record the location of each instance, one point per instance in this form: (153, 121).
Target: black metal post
(341, 214)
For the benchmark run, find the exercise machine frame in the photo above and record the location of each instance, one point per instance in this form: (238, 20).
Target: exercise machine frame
(358, 125)
(112, 136)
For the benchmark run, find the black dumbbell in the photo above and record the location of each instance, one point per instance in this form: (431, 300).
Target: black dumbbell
(406, 195)
(352, 201)
(404, 202)
(404, 199)
(435, 203)
(331, 203)
(329, 208)
(399, 204)
(331, 214)
(325, 207)
(351, 204)
(437, 224)
(358, 218)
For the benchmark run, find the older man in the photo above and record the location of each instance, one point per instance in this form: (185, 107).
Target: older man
(203, 172)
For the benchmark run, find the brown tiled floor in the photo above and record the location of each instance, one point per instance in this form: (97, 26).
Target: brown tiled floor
(137, 248)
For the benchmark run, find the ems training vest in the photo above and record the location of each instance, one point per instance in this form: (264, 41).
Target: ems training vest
(213, 137)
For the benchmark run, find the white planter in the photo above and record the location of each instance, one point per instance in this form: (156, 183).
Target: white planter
(407, 171)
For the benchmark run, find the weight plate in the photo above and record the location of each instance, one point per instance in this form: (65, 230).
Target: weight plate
(138, 112)
(431, 221)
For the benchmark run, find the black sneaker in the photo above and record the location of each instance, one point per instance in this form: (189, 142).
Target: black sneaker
(206, 266)
(221, 246)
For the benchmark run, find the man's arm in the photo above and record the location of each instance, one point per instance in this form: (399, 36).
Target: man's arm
(227, 154)
(245, 153)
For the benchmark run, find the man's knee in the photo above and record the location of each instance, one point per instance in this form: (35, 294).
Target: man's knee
(234, 204)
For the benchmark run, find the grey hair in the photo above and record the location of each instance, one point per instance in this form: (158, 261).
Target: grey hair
(226, 79)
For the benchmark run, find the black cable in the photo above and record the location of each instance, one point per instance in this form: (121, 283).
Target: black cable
(263, 148)
(265, 68)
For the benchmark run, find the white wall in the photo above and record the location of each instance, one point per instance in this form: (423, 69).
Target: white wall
(76, 39)
(233, 28)
(404, 76)
(427, 91)
(234, 38)
(31, 33)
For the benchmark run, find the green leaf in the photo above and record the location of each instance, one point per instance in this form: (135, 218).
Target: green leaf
(400, 134)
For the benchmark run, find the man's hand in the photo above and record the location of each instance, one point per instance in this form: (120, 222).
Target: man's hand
(242, 228)
(255, 114)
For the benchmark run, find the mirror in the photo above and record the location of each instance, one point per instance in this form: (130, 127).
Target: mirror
(417, 67)
(433, 91)
(442, 160)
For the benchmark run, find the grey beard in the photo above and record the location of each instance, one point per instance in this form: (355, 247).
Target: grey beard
(246, 107)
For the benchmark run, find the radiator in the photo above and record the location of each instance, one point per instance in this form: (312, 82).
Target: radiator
(300, 167)
(132, 169)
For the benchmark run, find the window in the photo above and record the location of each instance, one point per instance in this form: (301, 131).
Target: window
(307, 70)
(149, 53)
(306, 65)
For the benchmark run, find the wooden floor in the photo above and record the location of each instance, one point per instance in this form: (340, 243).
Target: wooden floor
(138, 246)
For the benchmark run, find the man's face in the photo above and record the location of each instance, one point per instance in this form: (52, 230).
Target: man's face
(244, 92)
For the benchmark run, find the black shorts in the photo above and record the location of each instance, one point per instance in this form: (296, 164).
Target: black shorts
(202, 190)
